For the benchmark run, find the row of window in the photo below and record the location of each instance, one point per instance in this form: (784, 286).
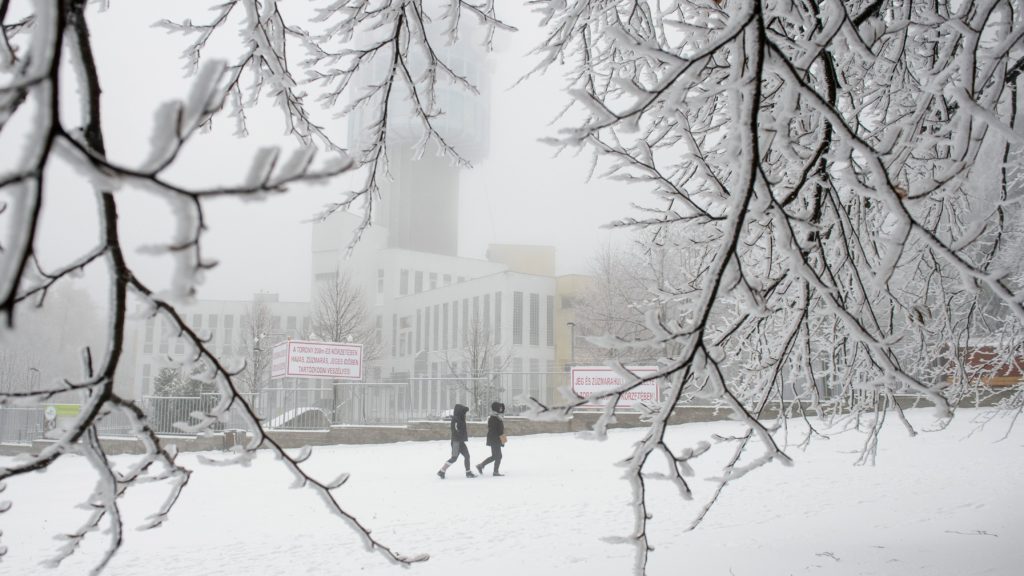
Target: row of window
(470, 324)
(420, 281)
(221, 328)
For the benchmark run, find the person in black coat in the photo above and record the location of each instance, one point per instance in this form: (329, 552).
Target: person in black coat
(495, 438)
(460, 434)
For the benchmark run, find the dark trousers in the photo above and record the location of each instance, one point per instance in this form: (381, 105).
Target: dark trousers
(494, 457)
(459, 447)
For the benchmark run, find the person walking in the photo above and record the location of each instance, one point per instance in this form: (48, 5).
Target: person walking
(495, 438)
(460, 434)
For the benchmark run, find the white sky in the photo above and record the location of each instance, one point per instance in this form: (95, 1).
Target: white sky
(519, 194)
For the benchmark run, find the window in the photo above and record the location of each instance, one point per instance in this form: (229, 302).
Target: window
(444, 331)
(324, 278)
(165, 334)
(380, 286)
(146, 369)
(465, 321)
(293, 324)
(549, 318)
(275, 323)
(394, 334)
(461, 279)
(419, 326)
(517, 318)
(403, 283)
(229, 334)
(426, 329)
(455, 324)
(148, 347)
(497, 317)
(447, 279)
(487, 313)
(534, 319)
(437, 326)
(419, 281)
(476, 312)
(433, 280)
(306, 331)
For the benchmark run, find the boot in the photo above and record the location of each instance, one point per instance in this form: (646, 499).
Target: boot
(469, 474)
(440, 474)
(480, 469)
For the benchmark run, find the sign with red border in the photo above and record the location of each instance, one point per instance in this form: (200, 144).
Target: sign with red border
(590, 380)
(306, 359)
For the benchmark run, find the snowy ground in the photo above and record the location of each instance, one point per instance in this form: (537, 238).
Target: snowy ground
(946, 503)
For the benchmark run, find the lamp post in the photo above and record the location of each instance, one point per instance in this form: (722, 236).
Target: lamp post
(572, 343)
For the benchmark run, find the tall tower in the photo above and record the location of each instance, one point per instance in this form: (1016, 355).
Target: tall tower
(419, 203)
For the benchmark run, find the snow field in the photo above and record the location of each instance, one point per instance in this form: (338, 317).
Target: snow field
(944, 503)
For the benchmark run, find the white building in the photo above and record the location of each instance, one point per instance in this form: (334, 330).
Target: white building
(426, 306)
(153, 343)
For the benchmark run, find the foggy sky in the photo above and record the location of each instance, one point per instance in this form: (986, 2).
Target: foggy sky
(518, 194)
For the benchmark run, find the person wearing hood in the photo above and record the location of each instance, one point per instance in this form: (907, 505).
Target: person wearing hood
(460, 434)
(495, 438)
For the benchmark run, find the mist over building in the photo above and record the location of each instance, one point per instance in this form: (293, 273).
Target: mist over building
(427, 305)
(430, 307)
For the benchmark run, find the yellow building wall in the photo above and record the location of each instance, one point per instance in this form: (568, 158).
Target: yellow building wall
(568, 291)
(525, 259)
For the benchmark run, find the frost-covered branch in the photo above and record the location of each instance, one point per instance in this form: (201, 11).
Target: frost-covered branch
(57, 41)
(830, 169)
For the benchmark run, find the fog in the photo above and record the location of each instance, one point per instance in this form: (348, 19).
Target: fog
(522, 192)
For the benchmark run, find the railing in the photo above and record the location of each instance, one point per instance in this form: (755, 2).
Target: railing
(21, 424)
(343, 403)
(316, 408)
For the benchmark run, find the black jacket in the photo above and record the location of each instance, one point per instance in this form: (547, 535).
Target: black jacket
(495, 428)
(458, 425)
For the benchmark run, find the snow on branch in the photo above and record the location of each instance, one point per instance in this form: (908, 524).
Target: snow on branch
(825, 171)
(35, 55)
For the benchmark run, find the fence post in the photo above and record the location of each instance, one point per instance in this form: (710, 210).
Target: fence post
(334, 402)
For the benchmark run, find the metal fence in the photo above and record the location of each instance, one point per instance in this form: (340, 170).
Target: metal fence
(316, 408)
(21, 424)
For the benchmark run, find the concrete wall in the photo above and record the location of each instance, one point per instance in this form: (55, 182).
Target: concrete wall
(416, 431)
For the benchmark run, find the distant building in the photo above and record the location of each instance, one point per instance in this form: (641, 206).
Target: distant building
(427, 306)
(153, 343)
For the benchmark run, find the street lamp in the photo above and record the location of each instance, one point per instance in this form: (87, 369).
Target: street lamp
(572, 342)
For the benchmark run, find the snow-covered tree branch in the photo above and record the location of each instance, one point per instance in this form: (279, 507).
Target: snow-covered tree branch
(840, 173)
(837, 183)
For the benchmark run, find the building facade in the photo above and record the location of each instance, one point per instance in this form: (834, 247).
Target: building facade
(439, 317)
(154, 343)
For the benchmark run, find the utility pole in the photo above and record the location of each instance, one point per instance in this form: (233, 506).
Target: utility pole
(572, 343)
